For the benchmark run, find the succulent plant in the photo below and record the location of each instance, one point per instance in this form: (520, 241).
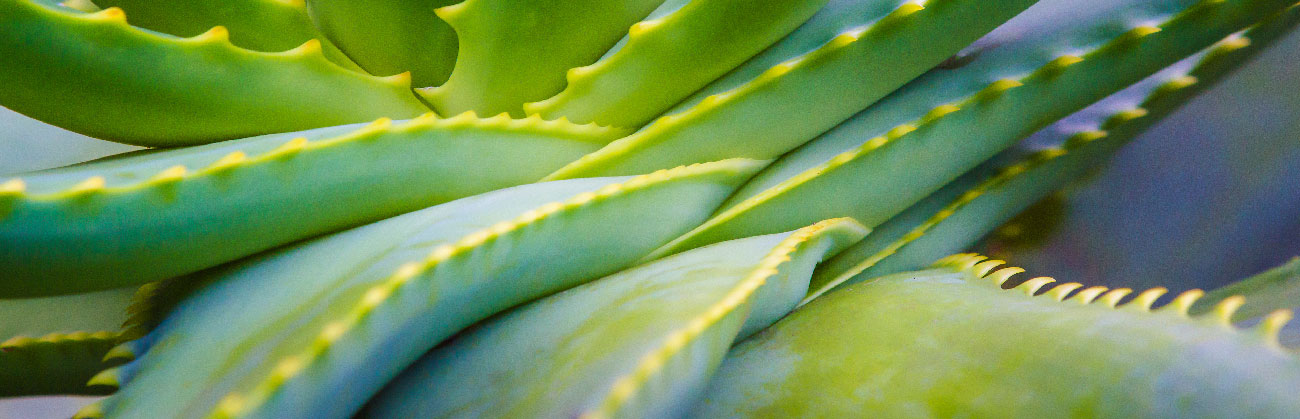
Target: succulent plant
(681, 208)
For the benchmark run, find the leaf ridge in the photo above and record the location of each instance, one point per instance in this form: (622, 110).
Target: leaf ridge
(237, 402)
(1117, 128)
(1134, 41)
(627, 386)
(722, 125)
(977, 268)
(635, 82)
(101, 53)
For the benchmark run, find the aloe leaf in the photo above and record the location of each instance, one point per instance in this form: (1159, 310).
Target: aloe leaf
(54, 345)
(158, 214)
(501, 64)
(1011, 51)
(900, 166)
(307, 314)
(957, 215)
(650, 70)
(150, 305)
(835, 18)
(986, 351)
(35, 317)
(390, 37)
(1019, 47)
(1274, 289)
(96, 75)
(638, 343)
(260, 25)
(804, 95)
(56, 363)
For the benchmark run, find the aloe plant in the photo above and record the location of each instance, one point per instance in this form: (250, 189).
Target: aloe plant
(680, 208)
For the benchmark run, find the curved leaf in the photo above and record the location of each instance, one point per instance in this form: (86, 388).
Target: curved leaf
(154, 215)
(900, 166)
(58, 363)
(54, 345)
(1274, 289)
(956, 216)
(986, 351)
(310, 316)
(512, 52)
(639, 343)
(807, 94)
(651, 69)
(96, 75)
(391, 37)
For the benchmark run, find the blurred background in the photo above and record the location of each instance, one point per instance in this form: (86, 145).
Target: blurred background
(1209, 196)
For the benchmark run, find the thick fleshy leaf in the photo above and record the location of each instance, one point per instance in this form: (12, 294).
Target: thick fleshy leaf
(514, 52)
(35, 317)
(956, 216)
(315, 329)
(652, 69)
(1274, 289)
(639, 343)
(97, 75)
(154, 215)
(854, 64)
(54, 345)
(890, 169)
(986, 351)
(259, 25)
(390, 36)
(57, 363)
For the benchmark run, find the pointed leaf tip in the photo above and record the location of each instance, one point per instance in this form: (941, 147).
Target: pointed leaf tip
(111, 14)
(91, 411)
(122, 352)
(1001, 276)
(111, 377)
(981, 269)
(1088, 295)
(1272, 324)
(1223, 311)
(1147, 299)
(1183, 302)
(1032, 286)
(170, 174)
(1061, 291)
(13, 187)
(1112, 298)
(90, 185)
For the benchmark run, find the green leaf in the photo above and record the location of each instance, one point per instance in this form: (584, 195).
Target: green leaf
(1266, 292)
(54, 345)
(950, 341)
(956, 216)
(391, 36)
(57, 363)
(652, 69)
(321, 326)
(900, 166)
(805, 94)
(259, 25)
(639, 343)
(96, 75)
(36, 317)
(154, 215)
(512, 52)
